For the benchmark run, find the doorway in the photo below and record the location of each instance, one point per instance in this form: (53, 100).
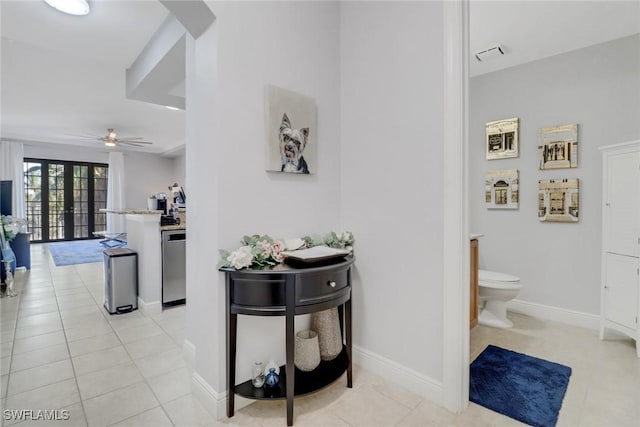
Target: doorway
(63, 199)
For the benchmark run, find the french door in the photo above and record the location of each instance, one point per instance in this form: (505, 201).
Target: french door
(63, 199)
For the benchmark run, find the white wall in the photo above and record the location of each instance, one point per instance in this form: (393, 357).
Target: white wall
(66, 152)
(145, 173)
(597, 87)
(180, 171)
(392, 176)
(294, 45)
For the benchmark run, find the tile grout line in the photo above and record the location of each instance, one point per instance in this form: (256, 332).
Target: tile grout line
(19, 296)
(73, 368)
(144, 379)
(5, 399)
(160, 404)
(50, 267)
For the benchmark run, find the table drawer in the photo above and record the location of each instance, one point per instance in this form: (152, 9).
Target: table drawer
(320, 287)
(258, 293)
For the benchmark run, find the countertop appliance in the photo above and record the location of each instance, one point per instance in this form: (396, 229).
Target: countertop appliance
(174, 263)
(162, 205)
(158, 202)
(168, 220)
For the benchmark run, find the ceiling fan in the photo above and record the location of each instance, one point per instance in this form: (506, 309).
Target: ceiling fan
(111, 139)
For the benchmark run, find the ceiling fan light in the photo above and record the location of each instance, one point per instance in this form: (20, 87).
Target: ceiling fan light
(71, 7)
(110, 143)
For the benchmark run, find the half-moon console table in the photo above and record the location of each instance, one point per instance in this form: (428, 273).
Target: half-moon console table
(288, 291)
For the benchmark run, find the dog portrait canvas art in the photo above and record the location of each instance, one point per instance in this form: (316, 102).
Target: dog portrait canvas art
(292, 145)
(290, 122)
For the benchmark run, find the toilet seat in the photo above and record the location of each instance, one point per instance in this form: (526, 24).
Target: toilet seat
(494, 276)
(496, 280)
(495, 290)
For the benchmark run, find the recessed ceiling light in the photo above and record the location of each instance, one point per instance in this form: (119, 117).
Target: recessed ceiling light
(72, 7)
(171, 108)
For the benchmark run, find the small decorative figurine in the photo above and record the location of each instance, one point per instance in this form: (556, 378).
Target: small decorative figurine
(257, 379)
(271, 379)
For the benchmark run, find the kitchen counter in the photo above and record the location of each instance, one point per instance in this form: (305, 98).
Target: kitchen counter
(132, 211)
(144, 234)
(173, 227)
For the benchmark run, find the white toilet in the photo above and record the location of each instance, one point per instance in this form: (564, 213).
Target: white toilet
(494, 291)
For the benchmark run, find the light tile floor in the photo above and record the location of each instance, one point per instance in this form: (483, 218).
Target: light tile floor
(61, 350)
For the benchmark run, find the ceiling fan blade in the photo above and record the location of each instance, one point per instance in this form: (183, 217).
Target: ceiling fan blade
(84, 139)
(83, 136)
(134, 143)
(129, 141)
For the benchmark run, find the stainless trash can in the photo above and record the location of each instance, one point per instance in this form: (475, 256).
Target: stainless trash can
(120, 280)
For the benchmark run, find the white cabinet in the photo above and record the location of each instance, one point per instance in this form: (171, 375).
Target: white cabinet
(621, 289)
(622, 203)
(620, 294)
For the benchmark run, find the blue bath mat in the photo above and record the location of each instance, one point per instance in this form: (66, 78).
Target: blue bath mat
(76, 252)
(522, 387)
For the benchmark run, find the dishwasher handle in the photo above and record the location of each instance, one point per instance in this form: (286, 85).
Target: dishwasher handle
(177, 236)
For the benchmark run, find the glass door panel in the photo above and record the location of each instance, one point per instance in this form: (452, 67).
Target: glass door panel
(56, 205)
(100, 175)
(80, 201)
(33, 198)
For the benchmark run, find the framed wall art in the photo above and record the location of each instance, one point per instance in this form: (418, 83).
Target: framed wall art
(291, 131)
(558, 147)
(502, 139)
(558, 200)
(501, 189)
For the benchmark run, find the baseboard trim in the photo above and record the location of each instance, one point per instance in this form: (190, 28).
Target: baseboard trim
(563, 315)
(189, 352)
(149, 308)
(394, 372)
(215, 403)
(212, 401)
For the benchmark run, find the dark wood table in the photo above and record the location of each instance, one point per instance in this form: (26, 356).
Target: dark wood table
(289, 291)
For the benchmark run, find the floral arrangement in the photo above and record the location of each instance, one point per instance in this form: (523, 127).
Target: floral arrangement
(11, 225)
(262, 251)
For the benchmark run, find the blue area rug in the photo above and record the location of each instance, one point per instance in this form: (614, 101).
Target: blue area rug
(76, 252)
(522, 387)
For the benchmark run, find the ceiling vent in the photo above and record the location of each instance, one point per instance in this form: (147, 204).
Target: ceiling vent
(492, 52)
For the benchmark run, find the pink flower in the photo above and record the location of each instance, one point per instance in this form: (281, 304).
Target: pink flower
(265, 247)
(276, 248)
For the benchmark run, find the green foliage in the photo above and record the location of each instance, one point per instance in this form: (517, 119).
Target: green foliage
(222, 263)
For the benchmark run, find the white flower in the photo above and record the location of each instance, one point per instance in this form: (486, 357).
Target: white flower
(293, 244)
(241, 257)
(344, 237)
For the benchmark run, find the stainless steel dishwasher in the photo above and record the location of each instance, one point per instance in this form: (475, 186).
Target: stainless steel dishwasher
(174, 289)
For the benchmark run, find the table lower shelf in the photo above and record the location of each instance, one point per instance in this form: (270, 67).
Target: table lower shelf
(305, 382)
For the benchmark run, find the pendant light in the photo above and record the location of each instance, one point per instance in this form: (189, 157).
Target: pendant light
(71, 7)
